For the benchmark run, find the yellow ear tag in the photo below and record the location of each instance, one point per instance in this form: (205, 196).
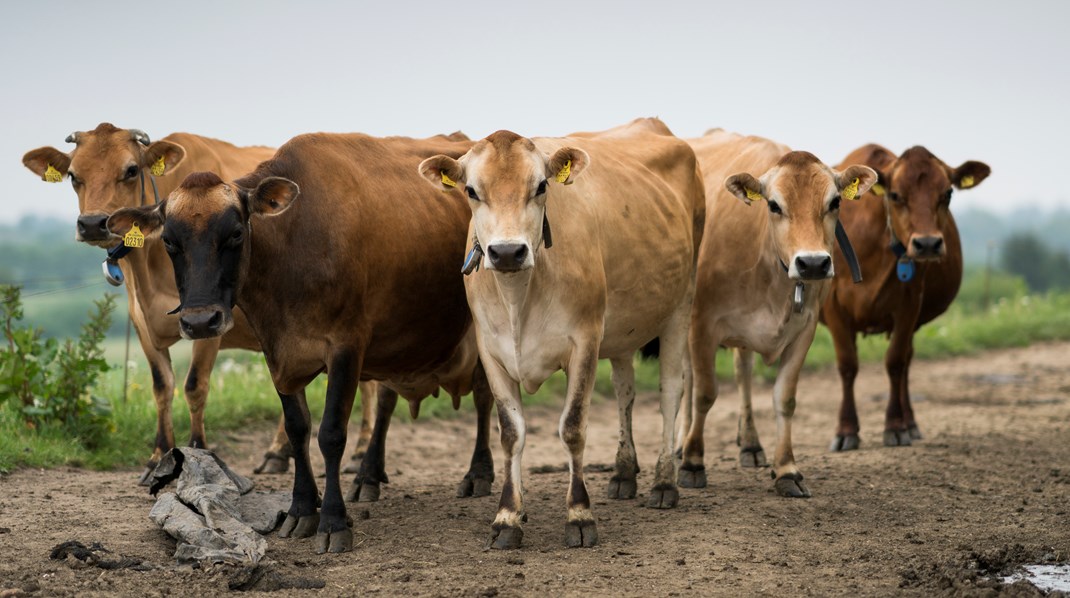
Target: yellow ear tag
(566, 170)
(754, 195)
(966, 182)
(158, 167)
(447, 181)
(133, 237)
(851, 191)
(52, 175)
(878, 189)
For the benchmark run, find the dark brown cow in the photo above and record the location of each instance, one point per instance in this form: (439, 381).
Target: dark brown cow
(909, 250)
(361, 279)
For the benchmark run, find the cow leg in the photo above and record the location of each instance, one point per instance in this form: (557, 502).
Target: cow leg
(277, 458)
(343, 376)
(365, 487)
(302, 518)
(477, 482)
(751, 453)
(580, 527)
(908, 409)
(845, 341)
(163, 391)
(197, 384)
(788, 481)
(703, 395)
(683, 414)
(506, 531)
(622, 485)
(674, 376)
(896, 362)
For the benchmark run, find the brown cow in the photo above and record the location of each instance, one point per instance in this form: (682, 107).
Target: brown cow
(762, 276)
(909, 248)
(359, 279)
(107, 169)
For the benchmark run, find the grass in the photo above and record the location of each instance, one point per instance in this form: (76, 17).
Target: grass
(242, 394)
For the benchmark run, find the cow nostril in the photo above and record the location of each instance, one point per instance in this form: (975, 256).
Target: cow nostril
(103, 226)
(493, 253)
(215, 320)
(520, 253)
(825, 263)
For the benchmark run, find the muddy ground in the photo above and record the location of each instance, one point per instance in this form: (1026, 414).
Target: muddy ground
(987, 489)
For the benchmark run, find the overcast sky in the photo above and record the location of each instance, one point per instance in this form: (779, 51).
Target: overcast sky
(979, 79)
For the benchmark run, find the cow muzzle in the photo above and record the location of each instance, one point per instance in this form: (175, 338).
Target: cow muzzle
(93, 229)
(204, 322)
(509, 257)
(927, 247)
(811, 265)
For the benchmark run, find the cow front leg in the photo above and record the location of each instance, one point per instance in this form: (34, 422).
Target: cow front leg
(197, 385)
(506, 531)
(908, 408)
(703, 395)
(580, 527)
(477, 482)
(896, 362)
(751, 453)
(372, 473)
(343, 375)
(302, 517)
(845, 341)
(623, 483)
(163, 391)
(788, 480)
(278, 455)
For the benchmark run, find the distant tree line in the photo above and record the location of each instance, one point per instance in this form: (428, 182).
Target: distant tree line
(1044, 268)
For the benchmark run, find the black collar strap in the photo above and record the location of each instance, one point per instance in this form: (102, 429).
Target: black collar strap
(848, 252)
(474, 258)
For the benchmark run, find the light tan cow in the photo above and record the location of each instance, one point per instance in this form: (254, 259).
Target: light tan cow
(764, 269)
(108, 168)
(575, 273)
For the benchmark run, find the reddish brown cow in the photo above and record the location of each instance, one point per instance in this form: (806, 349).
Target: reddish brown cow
(908, 246)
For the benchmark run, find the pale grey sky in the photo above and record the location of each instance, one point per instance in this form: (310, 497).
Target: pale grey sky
(979, 79)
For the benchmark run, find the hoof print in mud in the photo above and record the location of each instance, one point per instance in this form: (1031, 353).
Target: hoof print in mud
(299, 527)
(581, 533)
(663, 496)
(897, 438)
(335, 541)
(849, 442)
(792, 486)
(752, 456)
(363, 491)
(506, 538)
(691, 476)
(474, 487)
(622, 488)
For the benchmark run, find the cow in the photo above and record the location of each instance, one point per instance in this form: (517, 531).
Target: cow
(107, 169)
(587, 245)
(358, 277)
(909, 249)
(763, 272)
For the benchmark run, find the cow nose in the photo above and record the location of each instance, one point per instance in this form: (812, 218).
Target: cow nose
(927, 246)
(202, 323)
(507, 256)
(93, 227)
(812, 267)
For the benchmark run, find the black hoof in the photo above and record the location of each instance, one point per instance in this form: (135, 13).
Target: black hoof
(752, 456)
(581, 533)
(146, 476)
(848, 442)
(691, 476)
(792, 486)
(299, 527)
(474, 487)
(896, 438)
(336, 541)
(663, 496)
(274, 463)
(363, 491)
(506, 538)
(915, 433)
(622, 488)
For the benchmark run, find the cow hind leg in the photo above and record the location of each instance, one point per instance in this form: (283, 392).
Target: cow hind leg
(368, 398)
(623, 484)
(277, 457)
(372, 473)
(703, 395)
(580, 527)
(477, 482)
(751, 453)
(674, 376)
(302, 517)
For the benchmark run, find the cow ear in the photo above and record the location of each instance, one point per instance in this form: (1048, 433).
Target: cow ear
(149, 219)
(162, 157)
(970, 174)
(443, 172)
(48, 163)
(272, 196)
(855, 181)
(745, 187)
(566, 164)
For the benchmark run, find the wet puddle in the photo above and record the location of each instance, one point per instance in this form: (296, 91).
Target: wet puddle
(1046, 577)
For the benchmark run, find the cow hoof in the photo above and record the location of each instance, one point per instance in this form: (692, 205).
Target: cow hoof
(752, 457)
(336, 541)
(299, 527)
(792, 486)
(915, 433)
(622, 488)
(581, 533)
(274, 463)
(352, 467)
(506, 538)
(663, 496)
(146, 476)
(691, 476)
(678, 454)
(363, 491)
(474, 487)
(845, 442)
(896, 438)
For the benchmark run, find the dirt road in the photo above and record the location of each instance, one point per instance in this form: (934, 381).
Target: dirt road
(987, 489)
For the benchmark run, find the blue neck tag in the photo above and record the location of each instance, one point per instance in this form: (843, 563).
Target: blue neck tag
(904, 269)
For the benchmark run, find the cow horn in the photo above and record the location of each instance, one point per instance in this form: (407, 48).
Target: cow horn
(140, 136)
(73, 137)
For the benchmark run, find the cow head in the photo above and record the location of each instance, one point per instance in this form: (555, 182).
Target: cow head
(204, 225)
(507, 180)
(803, 196)
(105, 170)
(917, 190)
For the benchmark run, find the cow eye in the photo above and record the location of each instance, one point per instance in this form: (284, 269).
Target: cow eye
(947, 196)
(75, 181)
(834, 204)
(892, 195)
(471, 193)
(170, 247)
(774, 207)
(131, 172)
(235, 237)
(541, 189)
